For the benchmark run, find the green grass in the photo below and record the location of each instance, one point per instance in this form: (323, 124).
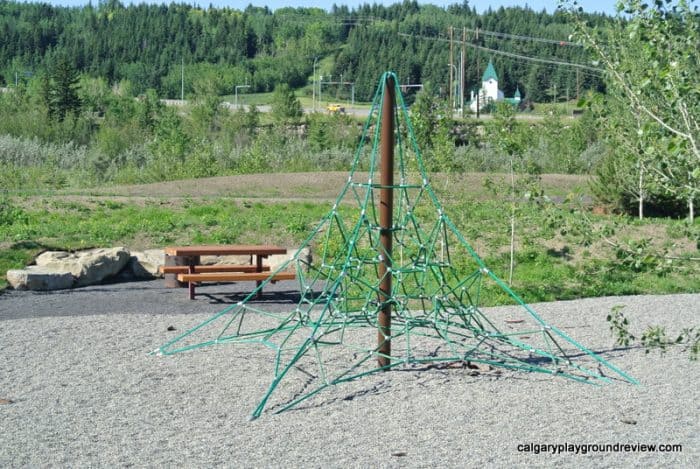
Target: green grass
(576, 268)
(73, 225)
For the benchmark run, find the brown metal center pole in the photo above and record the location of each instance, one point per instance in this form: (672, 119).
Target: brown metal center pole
(386, 208)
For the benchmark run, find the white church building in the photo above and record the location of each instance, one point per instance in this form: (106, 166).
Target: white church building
(489, 92)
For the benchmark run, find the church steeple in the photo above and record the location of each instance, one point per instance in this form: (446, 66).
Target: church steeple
(489, 73)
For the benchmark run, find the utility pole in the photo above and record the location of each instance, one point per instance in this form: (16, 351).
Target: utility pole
(461, 73)
(451, 65)
(478, 71)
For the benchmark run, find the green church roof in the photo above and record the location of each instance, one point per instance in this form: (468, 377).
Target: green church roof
(517, 93)
(490, 73)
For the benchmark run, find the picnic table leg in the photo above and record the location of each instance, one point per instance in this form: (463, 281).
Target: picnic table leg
(171, 279)
(259, 268)
(191, 284)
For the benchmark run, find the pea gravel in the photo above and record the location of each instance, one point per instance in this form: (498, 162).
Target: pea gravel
(78, 389)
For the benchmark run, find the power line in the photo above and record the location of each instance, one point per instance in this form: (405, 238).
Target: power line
(339, 20)
(524, 38)
(509, 54)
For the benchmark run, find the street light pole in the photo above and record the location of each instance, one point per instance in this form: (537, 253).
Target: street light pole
(313, 89)
(236, 93)
(453, 66)
(461, 83)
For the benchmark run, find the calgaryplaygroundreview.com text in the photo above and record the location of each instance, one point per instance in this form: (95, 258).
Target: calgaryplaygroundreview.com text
(585, 448)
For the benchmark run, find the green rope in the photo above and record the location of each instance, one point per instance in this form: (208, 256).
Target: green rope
(438, 286)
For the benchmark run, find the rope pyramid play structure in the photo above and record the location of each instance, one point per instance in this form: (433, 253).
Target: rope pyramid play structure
(391, 283)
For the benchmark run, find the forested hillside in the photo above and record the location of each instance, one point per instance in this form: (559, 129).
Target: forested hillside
(148, 45)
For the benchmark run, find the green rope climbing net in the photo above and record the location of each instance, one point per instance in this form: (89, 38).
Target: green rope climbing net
(439, 287)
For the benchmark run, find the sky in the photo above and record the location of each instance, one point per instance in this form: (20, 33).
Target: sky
(603, 6)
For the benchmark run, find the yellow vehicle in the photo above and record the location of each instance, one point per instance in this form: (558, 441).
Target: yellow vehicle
(336, 109)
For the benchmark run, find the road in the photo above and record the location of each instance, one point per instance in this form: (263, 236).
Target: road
(355, 112)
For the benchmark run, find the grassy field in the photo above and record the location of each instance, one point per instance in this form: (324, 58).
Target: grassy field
(564, 248)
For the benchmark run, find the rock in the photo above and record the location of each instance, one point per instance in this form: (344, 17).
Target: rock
(88, 267)
(145, 264)
(275, 261)
(224, 260)
(39, 278)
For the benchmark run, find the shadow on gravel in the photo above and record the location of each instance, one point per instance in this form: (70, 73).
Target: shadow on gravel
(276, 297)
(142, 297)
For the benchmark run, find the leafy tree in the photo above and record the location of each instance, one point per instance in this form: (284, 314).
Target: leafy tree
(652, 65)
(425, 114)
(286, 108)
(252, 118)
(432, 126)
(206, 108)
(505, 135)
(331, 131)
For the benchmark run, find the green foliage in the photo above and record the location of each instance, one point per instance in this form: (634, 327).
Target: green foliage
(266, 48)
(331, 131)
(653, 337)
(432, 126)
(171, 143)
(205, 113)
(16, 257)
(651, 71)
(286, 108)
(61, 90)
(619, 326)
(9, 213)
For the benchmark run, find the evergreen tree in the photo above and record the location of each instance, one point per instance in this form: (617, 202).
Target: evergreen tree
(62, 90)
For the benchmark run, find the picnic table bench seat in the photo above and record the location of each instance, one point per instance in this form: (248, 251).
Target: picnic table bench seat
(235, 276)
(184, 269)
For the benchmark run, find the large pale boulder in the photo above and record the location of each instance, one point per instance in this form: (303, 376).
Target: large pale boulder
(224, 260)
(145, 264)
(39, 278)
(275, 261)
(88, 267)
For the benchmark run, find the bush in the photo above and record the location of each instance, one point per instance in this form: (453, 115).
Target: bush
(616, 184)
(9, 213)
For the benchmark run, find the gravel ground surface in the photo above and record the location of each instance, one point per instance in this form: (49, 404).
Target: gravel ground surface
(78, 388)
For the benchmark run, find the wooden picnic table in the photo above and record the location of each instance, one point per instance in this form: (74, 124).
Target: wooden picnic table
(183, 263)
(224, 250)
